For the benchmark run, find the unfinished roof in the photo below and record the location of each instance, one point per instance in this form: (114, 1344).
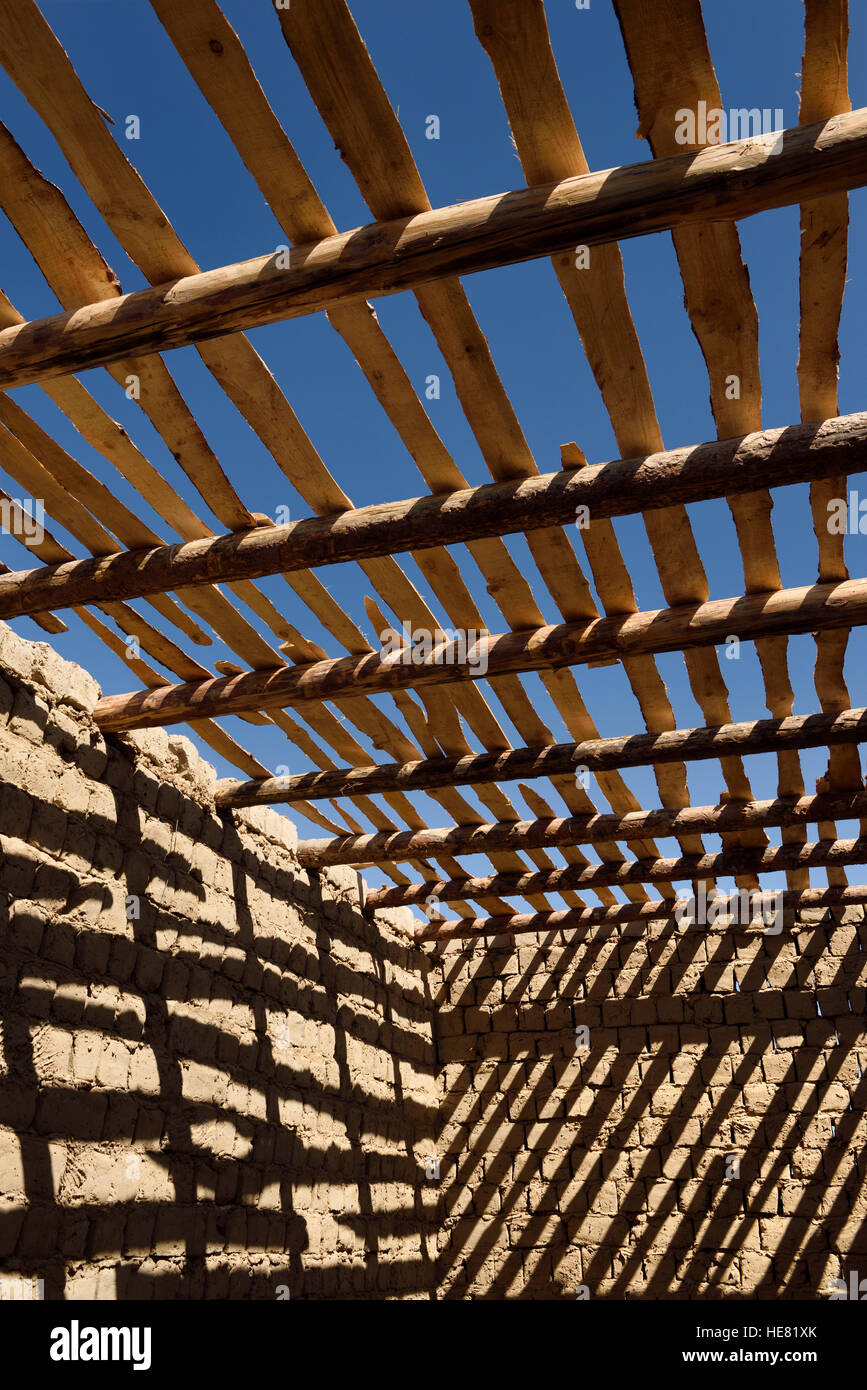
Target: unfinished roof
(452, 703)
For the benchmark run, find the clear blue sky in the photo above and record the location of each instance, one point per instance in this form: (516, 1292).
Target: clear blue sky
(430, 62)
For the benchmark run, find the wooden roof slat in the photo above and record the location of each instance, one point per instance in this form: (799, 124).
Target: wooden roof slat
(824, 237)
(672, 68)
(785, 611)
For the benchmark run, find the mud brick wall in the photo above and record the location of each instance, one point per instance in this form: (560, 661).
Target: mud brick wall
(216, 1077)
(608, 1172)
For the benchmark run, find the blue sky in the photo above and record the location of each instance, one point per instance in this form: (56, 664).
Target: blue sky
(430, 62)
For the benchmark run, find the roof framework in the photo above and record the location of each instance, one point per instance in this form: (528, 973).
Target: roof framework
(408, 246)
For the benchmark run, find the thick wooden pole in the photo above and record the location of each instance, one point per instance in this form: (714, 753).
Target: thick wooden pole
(770, 458)
(808, 609)
(632, 917)
(721, 181)
(399, 846)
(688, 867)
(596, 755)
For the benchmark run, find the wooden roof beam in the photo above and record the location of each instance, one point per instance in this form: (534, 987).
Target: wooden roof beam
(808, 609)
(596, 755)
(769, 458)
(729, 862)
(400, 846)
(628, 915)
(721, 181)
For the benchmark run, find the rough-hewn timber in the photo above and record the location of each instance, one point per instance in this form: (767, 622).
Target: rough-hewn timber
(596, 755)
(722, 181)
(395, 846)
(631, 917)
(807, 609)
(688, 867)
(770, 458)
